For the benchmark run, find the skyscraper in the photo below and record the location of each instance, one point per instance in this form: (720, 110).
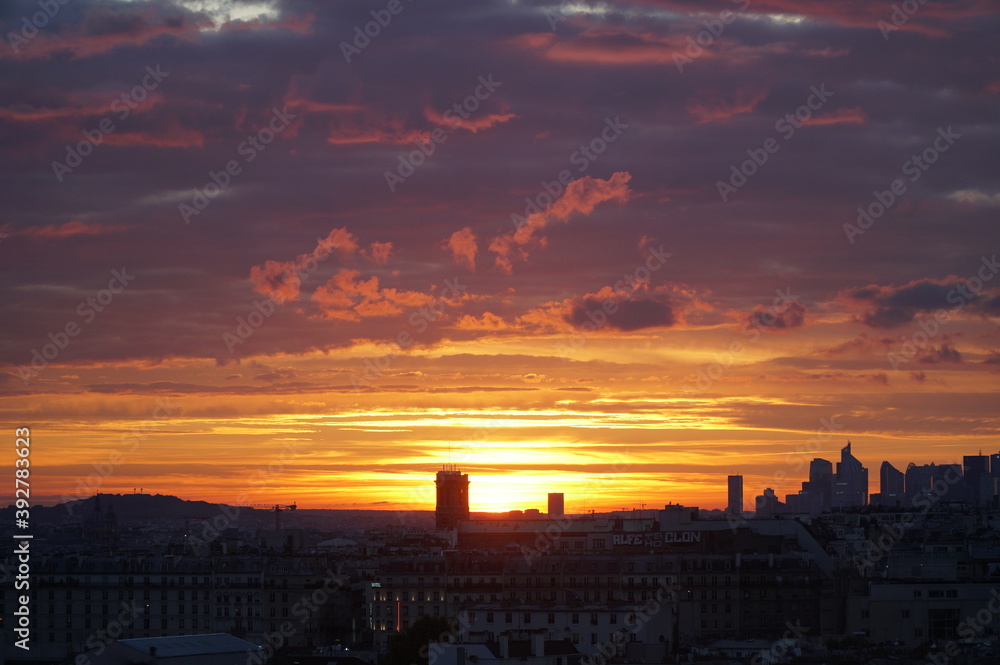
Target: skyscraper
(821, 484)
(978, 482)
(735, 495)
(452, 497)
(850, 487)
(891, 486)
(557, 504)
(768, 504)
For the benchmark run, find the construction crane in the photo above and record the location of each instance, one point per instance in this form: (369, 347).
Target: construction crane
(277, 515)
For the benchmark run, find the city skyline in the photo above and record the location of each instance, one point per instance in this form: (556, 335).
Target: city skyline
(308, 252)
(433, 500)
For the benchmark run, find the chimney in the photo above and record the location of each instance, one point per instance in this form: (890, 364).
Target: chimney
(504, 647)
(538, 645)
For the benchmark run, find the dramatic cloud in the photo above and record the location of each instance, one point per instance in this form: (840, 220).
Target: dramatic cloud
(623, 314)
(282, 280)
(581, 196)
(379, 253)
(787, 316)
(941, 354)
(473, 125)
(463, 247)
(577, 151)
(891, 307)
(712, 106)
(347, 298)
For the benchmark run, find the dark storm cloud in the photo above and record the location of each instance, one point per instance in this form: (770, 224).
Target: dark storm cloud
(942, 354)
(627, 315)
(892, 307)
(787, 316)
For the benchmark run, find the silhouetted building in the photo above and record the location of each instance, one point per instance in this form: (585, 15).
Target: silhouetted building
(768, 504)
(102, 527)
(735, 495)
(816, 493)
(452, 497)
(557, 504)
(935, 481)
(850, 486)
(918, 480)
(978, 481)
(821, 483)
(891, 487)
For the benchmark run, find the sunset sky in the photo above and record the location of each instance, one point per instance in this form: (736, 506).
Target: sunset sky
(613, 249)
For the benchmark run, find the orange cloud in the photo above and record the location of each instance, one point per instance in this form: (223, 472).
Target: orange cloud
(581, 196)
(369, 128)
(281, 281)
(487, 322)
(606, 46)
(347, 298)
(69, 229)
(710, 106)
(378, 253)
(471, 124)
(463, 248)
(276, 279)
(840, 116)
(173, 136)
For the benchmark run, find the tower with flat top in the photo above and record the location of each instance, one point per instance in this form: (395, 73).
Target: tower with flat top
(452, 497)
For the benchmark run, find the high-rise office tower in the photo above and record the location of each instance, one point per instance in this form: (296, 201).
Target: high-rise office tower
(557, 504)
(735, 495)
(821, 484)
(891, 486)
(850, 487)
(978, 481)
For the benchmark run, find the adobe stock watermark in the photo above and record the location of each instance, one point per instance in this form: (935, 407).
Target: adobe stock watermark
(634, 621)
(879, 547)
(411, 161)
(582, 158)
(87, 487)
(971, 627)
(714, 28)
(546, 540)
(303, 609)
(758, 321)
(418, 321)
(88, 309)
(372, 29)
(796, 460)
(31, 25)
(914, 167)
(900, 16)
(122, 107)
(99, 641)
(258, 481)
(247, 325)
(252, 146)
(457, 625)
(960, 296)
(423, 494)
(778, 652)
(786, 126)
(598, 317)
